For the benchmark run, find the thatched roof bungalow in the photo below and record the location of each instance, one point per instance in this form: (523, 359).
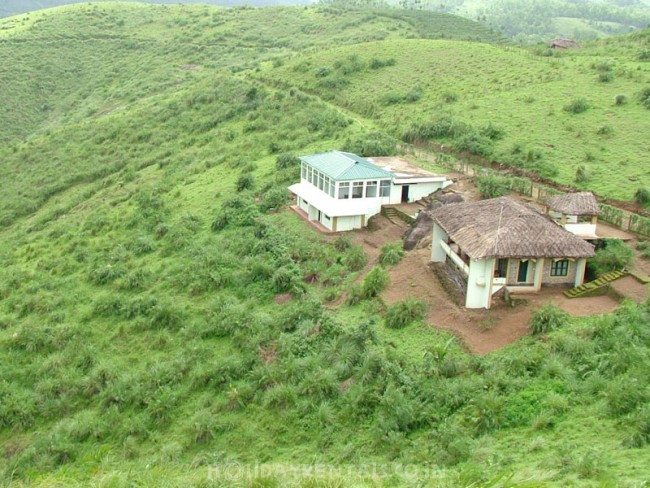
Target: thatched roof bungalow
(576, 212)
(500, 243)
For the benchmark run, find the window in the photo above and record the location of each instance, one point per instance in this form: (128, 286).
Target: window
(384, 188)
(344, 190)
(303, 171)
(320, 181)
(371, 189)
(560, 268)
(332, 188)
(357, 189)
(309, 173)
(501, 270)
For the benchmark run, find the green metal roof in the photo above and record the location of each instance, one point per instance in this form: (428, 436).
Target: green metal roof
(344, 166)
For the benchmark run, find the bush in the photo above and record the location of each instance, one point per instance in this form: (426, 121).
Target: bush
(244, 182)
(342, 243)
(275, 198)
(577, 106)
(286, 160)
(620, 100)
(355, 259)
(644, 97)
(375, 282)
(475, 143)
(605, 76)
(403, 313)
(582, 174)
(391, 254)
(492, 185)
(548, 318)
(642, 196)
(615, 255)
(371, 144)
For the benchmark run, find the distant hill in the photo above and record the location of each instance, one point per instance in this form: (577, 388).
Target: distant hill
(531, 21)
(15, 7)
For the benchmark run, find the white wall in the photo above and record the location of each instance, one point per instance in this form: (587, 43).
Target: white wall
(438, 254)
(348, 223)
(479, 283)
(417, 191)
(581, 229)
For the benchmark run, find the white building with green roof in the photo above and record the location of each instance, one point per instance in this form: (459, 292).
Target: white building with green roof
(342, 191)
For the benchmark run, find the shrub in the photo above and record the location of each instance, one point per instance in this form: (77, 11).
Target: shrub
(413, 95)
(642, 196)
(403, 313)
(371, 144)
(391, 254)
(355, 259)
(287, 279)
(605, 76)
(376, 63)
(548, 318)
(275, 198)
(492, 132)
(577, 106)
(604, 130)
(644, 97)
(322, 72)
(620, 100)
(286, 160)
(615, 255)
(492, 185)
(244, 182)
(475, 143)
(342, 243)
(582, 174)
(375, 282)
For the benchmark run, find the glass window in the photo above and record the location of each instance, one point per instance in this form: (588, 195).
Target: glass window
(332, 188)
(371, 189)
(309, 173)
(384, 188)
(303, 171)
(344, 190)
(321, 181)
(560, 268)
(357, 189)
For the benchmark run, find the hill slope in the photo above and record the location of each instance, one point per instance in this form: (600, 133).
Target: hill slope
(510, 105)
(145, 333)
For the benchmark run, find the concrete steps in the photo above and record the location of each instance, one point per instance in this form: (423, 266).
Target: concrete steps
(592, 286)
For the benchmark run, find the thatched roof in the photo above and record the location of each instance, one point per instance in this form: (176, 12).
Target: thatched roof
(503, 228)
(583, 203)
(563, 44)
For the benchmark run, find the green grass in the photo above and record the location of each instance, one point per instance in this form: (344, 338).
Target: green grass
(140, 338)
(519, 93)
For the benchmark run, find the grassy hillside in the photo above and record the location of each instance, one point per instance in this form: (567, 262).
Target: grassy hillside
(544, 111)
(145, 334)
(532, 21)
(108, 57)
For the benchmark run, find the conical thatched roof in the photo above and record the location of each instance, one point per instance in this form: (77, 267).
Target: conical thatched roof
(503, 228)
(582, 203)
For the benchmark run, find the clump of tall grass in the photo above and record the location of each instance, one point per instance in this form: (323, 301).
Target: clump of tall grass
(405, 312)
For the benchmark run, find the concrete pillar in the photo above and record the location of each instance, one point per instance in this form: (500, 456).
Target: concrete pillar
(479, 283)
(539, 273)
(334, 219)
(581, 265)
(563, 221)
(438, 254)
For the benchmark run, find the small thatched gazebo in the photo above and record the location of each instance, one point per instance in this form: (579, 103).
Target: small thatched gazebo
(500, 243)
(576, 212)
